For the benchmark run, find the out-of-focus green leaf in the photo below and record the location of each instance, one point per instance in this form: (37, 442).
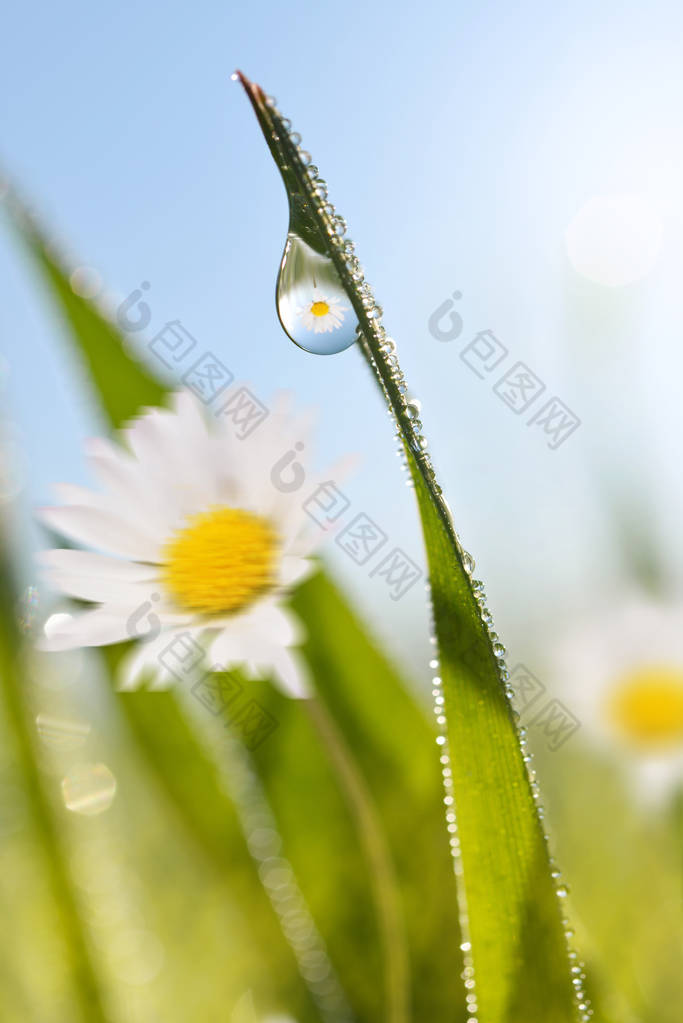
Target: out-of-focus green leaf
(188, 778)
(122, 383)
(88, 1001)
(626, 893)
(518, 946)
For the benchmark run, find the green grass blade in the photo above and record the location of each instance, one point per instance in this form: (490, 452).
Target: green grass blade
(518, 948)
(13, 685)
(186, 776)
(122, 384)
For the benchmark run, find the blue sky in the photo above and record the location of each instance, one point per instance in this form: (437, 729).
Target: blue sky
(459, 142)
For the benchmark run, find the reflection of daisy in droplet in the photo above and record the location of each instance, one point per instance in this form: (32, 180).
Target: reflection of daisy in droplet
(621, 674)
(322, 314)
(199, 541)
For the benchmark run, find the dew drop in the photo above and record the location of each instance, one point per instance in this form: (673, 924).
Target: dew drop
(312, 305)
(62, 733)
(86, 282)
(88, 789)
(468, 562)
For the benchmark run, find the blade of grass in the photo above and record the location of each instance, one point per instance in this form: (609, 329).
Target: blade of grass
(516, 942)
(86, 987)
(382, 873)
(186, 775)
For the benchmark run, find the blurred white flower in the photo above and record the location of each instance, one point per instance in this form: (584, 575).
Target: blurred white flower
(201, 539)
(614, 240)
(621, 673)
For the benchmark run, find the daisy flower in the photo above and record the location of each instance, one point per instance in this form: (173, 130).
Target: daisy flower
(322, 314)
(621, 673)
(195, 535)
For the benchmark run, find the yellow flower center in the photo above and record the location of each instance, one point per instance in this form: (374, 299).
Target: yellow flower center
(320, 308)
(646, 707)
(221, 562)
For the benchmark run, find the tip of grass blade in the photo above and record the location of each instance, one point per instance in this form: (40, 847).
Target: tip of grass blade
(253, 91)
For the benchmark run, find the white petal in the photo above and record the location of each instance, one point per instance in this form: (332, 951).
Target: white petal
(291, 674)
(102, 590)
(127, 482)
(228, 648)
(260, 640)
(304, 518)
(266, 624)
(99, 578)
(92, 628)
(145, 662)
(87, 564)
(69, 493)
(175, 454)
(191, 418)
(274, 624)
(294, 570)
(113, 467)
(656, 779)
(280, 437)
(97, 528)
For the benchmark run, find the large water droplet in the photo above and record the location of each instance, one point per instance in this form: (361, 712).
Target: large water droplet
(312, 305)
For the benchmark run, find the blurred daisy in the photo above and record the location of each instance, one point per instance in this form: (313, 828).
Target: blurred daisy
(195, 537)
(621, 673)
(322, 314)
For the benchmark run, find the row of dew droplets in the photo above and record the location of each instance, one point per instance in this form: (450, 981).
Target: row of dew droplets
(468, 973)
(412, 408)
(451, 822)
(405, 412)
(578, 975)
